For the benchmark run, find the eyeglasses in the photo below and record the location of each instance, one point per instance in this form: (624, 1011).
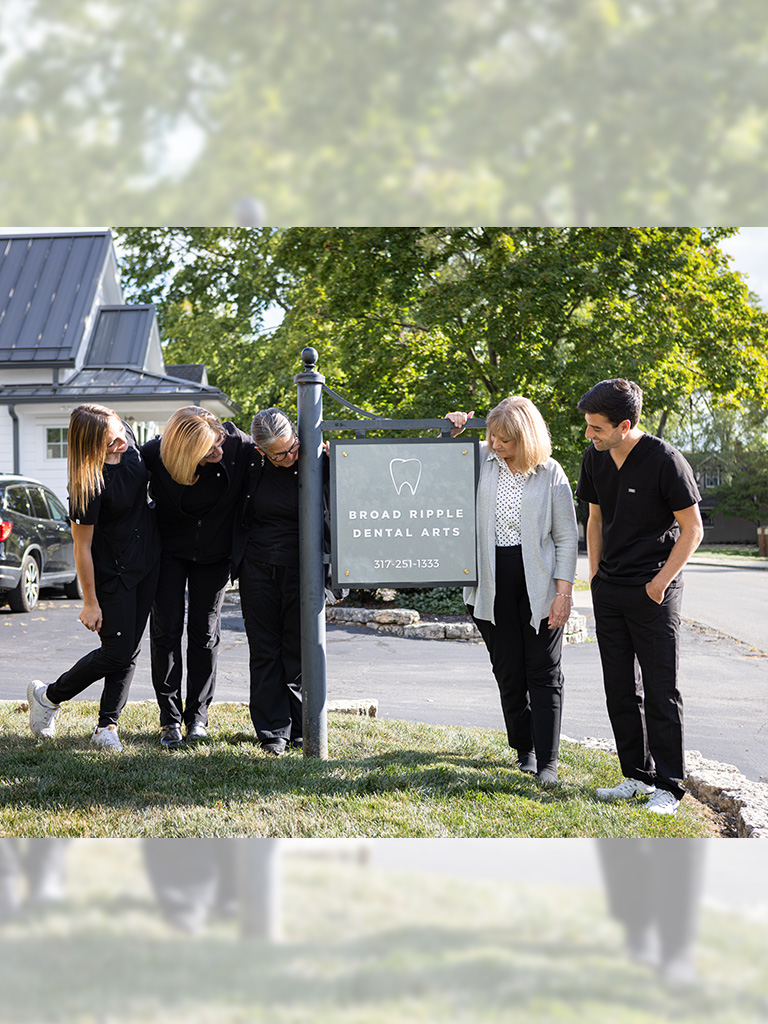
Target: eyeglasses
(280, 456)
(219, 442)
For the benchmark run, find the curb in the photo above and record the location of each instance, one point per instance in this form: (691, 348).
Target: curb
(720, 786)
(726, 563)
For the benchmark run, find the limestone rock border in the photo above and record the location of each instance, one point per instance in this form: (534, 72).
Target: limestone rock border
(407, 622)
(720, 786)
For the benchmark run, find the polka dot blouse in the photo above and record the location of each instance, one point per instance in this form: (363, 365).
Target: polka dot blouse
(509, 501)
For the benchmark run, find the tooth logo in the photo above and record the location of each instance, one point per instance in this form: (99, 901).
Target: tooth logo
(405, 472)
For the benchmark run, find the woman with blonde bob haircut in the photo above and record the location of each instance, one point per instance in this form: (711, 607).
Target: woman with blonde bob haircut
(198, 469)
(189, 438)
(518, 418)
(526, 563)
(117, 551)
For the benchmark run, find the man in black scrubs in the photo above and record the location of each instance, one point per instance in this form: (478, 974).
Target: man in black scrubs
(644, 524)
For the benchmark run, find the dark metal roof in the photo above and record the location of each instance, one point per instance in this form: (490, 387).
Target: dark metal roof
(94, 383)
(187, 371)
(47, 287)
(120, 336)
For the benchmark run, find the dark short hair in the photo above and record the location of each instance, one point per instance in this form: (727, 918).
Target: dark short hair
(616, 399)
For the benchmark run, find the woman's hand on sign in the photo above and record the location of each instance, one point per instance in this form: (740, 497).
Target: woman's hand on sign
(459, 421)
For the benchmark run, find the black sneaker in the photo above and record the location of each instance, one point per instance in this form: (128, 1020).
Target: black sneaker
(196, 731)
(526, 762)
(274, 747)
(170, 737)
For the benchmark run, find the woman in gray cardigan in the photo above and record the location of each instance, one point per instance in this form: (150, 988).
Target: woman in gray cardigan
(526, 552)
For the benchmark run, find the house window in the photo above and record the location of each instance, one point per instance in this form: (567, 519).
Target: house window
(711, 478)
(56, 442)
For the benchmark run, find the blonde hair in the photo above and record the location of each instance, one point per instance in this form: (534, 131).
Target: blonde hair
(518, 419)
(189, 435)
(86, 454)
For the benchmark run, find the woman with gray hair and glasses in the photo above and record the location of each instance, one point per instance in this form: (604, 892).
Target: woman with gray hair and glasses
(266, 559)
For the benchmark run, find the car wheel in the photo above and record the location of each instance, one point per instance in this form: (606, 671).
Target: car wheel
(24, 597)
(72, 589)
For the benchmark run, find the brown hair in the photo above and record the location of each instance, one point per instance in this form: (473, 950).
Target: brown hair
(518, 419)
(189, 435)
(86, 454)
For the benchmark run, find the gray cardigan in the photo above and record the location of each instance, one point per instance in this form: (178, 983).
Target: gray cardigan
(549, 533)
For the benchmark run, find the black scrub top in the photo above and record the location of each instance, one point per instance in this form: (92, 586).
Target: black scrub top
(196, 520)
(126, 544)
(637, 502)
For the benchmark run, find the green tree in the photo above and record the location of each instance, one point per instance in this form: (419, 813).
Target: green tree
(363, 112)
(746, 495)
(417, 321)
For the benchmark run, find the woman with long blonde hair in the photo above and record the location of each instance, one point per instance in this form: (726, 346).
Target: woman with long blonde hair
(117, 552)
(198, 469)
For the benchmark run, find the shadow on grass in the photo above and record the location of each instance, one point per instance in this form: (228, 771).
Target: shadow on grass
(421, 780)
(451, 972)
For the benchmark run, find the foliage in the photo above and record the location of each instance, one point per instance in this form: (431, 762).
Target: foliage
(707, 426)
(383, 778)
(418, 321)
(746, 495)
(433, 600)
(361, 112)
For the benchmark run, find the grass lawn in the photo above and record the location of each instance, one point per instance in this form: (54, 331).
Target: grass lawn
(749, 552)
(383, 778)
(362, 946)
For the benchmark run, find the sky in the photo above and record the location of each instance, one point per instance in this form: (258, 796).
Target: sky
(750, 255)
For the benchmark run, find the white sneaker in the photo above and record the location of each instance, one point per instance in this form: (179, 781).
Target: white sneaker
(106, 737)
(680, 971)
(625, 790)
(662, 802)
(41, 712)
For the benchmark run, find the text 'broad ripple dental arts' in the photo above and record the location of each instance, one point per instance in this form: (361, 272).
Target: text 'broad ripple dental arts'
(403, 530)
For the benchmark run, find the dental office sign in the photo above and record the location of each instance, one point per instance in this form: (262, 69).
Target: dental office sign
(403, 512)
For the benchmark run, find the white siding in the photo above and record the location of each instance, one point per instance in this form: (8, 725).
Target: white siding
(29, 375)
(33, 421)
(6, 441)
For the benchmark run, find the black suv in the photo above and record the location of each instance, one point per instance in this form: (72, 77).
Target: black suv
(36, 547)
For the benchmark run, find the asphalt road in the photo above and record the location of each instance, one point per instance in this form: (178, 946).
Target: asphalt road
(724, 678)
(731, 599)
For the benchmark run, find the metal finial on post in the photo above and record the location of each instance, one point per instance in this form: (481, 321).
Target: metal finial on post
(309, 404)
(309, 358)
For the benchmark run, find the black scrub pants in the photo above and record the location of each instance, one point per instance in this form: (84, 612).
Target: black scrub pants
(192, 878)
(639, 651)
(655, 885)
(526, 664)
(207, 584)
(41, 862)
(269, 595)
(124, 616)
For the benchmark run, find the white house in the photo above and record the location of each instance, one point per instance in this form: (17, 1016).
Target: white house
(67, 337)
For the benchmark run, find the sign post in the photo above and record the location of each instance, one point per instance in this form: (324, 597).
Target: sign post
(312, 595)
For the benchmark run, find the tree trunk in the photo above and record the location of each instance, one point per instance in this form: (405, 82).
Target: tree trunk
(662, 423)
